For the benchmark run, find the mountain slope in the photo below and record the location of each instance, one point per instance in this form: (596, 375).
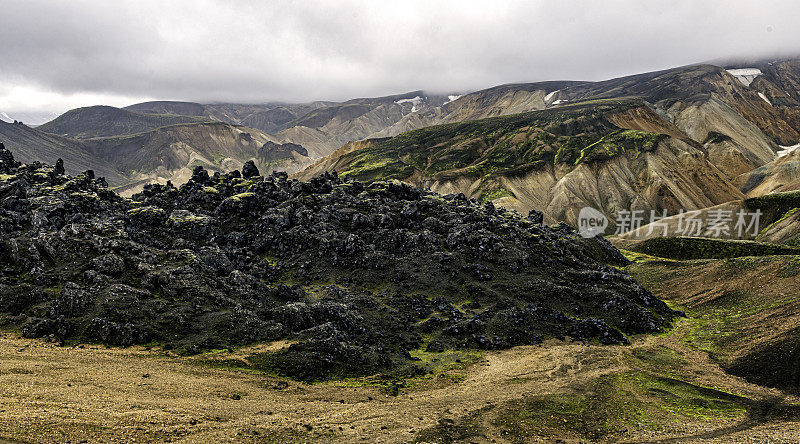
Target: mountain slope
(269, 117)
(29, 145)
(106, 121)
(172, 152)
(611, 155)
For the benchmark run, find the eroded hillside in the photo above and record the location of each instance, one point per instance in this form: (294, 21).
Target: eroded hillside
(611, 155)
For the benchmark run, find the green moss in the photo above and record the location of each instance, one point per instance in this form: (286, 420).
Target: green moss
(774, 206)
(785, 216)
(635, 256)
(683, 248)
(241, 196)
(502, 145)
(614, 144)
(660, 356)
(495, 194)
(210, 190)
(147, 210)
(722, 325)
(791, 269)
(445, 361)
(624, 401)
(188, 219)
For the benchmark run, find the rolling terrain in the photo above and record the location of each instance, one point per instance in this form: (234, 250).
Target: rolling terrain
(107, 121)
(350, 305)
(606, 154)
(705, 137)
(170, 153)
(356, 277)
(695, 382)
(725, 126)
(30, 145)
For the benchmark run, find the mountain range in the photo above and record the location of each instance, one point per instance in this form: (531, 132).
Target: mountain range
(684, 138)
(416, 257)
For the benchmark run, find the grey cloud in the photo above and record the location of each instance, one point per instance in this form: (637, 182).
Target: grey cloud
(306, 50)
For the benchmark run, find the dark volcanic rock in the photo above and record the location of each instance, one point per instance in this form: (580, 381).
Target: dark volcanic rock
(250, 170)
(272, 151)
(356, 275)
(7, 162)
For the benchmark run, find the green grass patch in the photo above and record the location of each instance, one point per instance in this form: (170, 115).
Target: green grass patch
(612, 403)
(685, 248)
(503, 145)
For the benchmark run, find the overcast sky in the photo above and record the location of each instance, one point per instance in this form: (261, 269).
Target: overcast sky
(57, 55)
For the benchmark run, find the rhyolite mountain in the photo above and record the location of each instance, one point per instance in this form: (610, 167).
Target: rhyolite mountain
(684, 138)
(721, 124)
(29, 145)
(107, 121)
(610, 155)
(353, 275)
(170, 153)
(157, 154)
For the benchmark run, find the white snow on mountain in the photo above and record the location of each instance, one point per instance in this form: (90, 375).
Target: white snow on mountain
(451, 99)
(787, 149)
(560, 101)
(764, 97)
(745, 75)
(550, 95)
(30, 118)
(413, 101)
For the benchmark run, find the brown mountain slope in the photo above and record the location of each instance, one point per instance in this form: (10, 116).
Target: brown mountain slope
(557, 161)
(268, 117)
(29, 144)
(782, 174)
(171, 152)
(108, 121)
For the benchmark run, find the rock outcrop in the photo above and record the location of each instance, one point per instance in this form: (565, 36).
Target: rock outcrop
(353, 275)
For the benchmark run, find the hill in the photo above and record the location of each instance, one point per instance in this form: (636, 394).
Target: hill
(170, 153)
(606, 154)
(704, 137)
(106, 121)
(30, 145)
(268, 117)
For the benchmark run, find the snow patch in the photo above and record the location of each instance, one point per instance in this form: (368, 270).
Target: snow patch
(745, 75)
(764, 97)
(414, 101)
(451, 99)
(560, 101)
(787, 150)
(4, 117)
(550, 95)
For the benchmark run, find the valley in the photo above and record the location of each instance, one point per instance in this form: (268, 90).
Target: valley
(672, 387)
(407, 268)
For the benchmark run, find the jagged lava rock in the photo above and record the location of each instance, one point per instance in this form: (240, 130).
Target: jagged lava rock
(356, 275)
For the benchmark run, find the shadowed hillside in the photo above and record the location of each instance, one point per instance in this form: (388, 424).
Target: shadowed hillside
(105, 121)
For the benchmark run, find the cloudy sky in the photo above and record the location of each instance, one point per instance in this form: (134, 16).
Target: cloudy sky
(57, 55)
